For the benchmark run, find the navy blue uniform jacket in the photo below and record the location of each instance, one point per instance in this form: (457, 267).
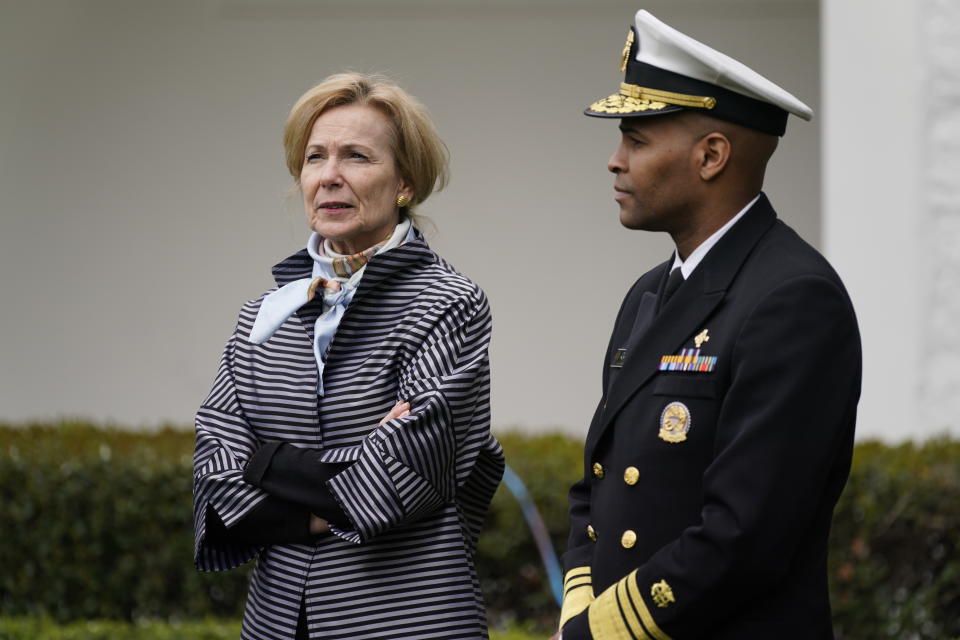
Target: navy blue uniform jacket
(708, 487)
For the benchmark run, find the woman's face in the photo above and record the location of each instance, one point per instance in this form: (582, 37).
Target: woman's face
(349, 178)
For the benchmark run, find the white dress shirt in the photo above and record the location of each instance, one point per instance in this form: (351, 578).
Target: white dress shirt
(696, 256)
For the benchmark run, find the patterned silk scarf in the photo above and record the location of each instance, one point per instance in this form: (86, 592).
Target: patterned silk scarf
(336, 278)
(346, 266)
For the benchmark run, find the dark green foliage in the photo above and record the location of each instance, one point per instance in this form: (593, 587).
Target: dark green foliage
(28, 628)
(97, 523)
(895, 543)
(45, 629)
(512, 575)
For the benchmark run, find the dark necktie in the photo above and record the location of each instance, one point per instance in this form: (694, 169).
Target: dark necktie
(673, 283)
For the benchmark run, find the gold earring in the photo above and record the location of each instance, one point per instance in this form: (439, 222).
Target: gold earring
(402, 200)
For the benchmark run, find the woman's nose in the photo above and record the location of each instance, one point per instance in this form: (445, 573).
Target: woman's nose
(330, 173)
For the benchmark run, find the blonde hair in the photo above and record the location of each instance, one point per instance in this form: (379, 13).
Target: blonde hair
(422, 158)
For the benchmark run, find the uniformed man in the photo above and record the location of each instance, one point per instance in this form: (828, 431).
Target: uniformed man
(724, 435)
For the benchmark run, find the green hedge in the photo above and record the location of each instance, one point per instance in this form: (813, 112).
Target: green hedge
(46, 629)
(100, 526)
(97, 525)
(512, 575)
(895, 543)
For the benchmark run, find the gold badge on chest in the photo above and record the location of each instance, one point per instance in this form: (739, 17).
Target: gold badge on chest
(674, 422)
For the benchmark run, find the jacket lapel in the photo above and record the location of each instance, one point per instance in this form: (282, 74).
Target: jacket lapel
(297, 266)
(686, 311)
(381, 267)
(393, 264)
(646, 314)
(624, 343)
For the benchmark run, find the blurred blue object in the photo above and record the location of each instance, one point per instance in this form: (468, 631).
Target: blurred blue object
(539, 531)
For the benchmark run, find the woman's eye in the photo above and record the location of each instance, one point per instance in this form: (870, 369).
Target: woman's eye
(313, 156)
(356, 155)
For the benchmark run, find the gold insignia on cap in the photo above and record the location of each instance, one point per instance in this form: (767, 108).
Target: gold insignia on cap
(674, 422)
(628, 90)
(622, 104)
(700, 338)
(662, 594)
(625, 56)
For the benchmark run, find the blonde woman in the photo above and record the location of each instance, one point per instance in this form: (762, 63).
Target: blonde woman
(346, 441)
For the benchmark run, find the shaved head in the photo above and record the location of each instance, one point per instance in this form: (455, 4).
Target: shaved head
(750, 150)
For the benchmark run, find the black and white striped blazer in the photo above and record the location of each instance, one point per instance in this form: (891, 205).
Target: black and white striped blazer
(416, 495)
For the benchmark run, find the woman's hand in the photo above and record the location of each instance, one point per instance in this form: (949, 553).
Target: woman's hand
(318, 525)
(399, 410)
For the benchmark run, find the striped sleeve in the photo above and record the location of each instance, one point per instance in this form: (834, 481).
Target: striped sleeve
(224, 442)
(577, 593)
(411, 466)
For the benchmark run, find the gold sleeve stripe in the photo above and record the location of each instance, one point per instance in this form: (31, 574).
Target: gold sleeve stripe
(620, 613)
(606, 618)
(629, 613)
(574, 602)
(584, 588)
(577, 572)
(636, 598)
(578, 593)
(577, 583)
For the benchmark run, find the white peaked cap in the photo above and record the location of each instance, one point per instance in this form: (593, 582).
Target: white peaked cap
(668, 71)
(663, 46)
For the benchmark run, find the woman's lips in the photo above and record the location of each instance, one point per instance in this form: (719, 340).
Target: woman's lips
(334, 206)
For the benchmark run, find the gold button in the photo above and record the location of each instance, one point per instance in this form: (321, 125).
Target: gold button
(631, 475)
(598, 469)
(628, 539)
(591, 533)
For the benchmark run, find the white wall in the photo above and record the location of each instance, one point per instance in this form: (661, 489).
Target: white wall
(878, 143)
(939, 241)
(142, 189)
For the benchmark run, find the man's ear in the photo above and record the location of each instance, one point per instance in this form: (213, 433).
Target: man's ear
(713, 153)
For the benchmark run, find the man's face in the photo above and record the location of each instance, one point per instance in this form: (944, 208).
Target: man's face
(655, 173)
